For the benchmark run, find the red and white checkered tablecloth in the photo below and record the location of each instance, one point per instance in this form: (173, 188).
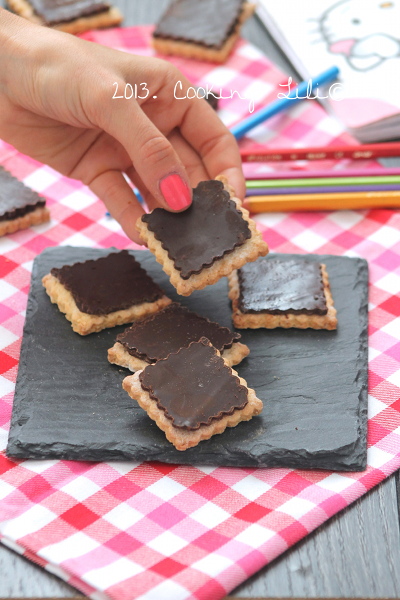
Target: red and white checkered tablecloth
(153, 531)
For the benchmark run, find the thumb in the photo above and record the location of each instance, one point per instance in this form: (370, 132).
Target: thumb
(152, 156)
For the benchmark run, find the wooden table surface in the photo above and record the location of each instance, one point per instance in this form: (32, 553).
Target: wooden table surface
(354, 555)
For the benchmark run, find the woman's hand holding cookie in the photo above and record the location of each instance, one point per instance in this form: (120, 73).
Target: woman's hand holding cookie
(57, 105)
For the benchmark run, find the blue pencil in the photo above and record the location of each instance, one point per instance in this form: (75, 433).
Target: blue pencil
(280, 105)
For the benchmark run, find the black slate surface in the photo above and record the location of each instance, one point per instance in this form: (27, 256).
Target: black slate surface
(69, 402)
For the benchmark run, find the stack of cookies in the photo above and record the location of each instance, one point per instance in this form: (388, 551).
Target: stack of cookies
(182, 362)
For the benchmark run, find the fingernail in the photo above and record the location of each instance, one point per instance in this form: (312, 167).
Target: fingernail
(175, 192)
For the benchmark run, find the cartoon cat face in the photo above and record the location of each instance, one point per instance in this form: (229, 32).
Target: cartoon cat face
(366, 32)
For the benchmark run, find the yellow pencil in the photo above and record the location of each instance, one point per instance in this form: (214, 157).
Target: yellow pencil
(333, 201)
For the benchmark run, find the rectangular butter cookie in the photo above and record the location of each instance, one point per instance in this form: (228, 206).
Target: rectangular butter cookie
(109, 291)
(20, 207)
(71, 16)
(166, 332)
(193, 395)
(208, 240)
(205, 30)
(275, 292)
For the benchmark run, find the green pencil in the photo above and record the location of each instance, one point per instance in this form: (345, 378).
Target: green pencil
(322, 181)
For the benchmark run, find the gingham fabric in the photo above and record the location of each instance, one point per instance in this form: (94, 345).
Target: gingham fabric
(153, 531)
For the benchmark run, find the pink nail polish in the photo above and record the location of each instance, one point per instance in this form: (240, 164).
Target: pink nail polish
(175, 191)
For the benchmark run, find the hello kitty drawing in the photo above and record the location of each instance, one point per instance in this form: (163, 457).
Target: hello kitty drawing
(365, 32)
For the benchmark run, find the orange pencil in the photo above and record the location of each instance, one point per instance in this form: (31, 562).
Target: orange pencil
(332, 201)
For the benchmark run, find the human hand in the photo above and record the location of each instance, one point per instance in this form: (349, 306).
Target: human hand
(56, 105)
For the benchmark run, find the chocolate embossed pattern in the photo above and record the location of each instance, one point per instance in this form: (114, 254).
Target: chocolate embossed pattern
(275, 292)
(193, 394)
(109, 291)
(205, 242)
(72, 16)
(168, 331)
(20, 206)
(206, 29)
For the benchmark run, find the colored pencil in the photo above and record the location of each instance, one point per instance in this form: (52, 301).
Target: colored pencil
(326, 189)
(279, 105)
(308, 202)
(297, 174)
(361, 151)
(318, 181)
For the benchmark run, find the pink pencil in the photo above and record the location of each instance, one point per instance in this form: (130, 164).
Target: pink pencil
(297, 174)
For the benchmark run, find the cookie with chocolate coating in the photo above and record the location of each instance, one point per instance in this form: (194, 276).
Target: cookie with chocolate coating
(20, 207)
(205, 242)
(175, 327)
(274, 292)
(109, 291)
(193, 395)
(71, 16)
(205, 30)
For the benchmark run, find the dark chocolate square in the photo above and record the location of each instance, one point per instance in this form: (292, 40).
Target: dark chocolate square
(203, 233)
(194, 386)
(54, 12)
(273, 286)
(107, 284)
(16, 200)
(205, 22)
(170, 329)
(69, 402)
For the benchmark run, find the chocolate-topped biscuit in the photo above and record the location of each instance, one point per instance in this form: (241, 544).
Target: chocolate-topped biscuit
(107, 284)
(282, 292)
(282, 286)
(205, 29)
(72, 16)
(16, 199)
(206, 22)
(111, 290)
(203, 233)
(168, 331)
(60, 11)
(193, 394)
(201, 244)
(19, 205)
(194, 386)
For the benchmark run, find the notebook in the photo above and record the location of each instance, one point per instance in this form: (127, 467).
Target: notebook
(362, 38)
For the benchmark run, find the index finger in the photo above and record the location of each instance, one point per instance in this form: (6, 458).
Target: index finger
(216, 146)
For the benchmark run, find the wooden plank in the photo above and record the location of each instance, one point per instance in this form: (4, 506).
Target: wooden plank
(355, 554)
(21, 578)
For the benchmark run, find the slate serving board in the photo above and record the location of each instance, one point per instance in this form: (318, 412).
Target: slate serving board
(69, 402)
